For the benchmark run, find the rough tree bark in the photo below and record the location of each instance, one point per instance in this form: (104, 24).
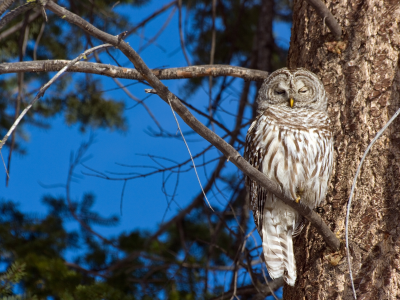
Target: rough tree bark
(362, 78)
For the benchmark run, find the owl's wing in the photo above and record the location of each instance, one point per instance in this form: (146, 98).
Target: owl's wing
(254, 155)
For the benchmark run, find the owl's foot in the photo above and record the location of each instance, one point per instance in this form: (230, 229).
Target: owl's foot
(299, 194)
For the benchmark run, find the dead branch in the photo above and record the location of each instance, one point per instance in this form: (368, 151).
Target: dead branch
(231, 154)
(182, 40)
(43, 90)
(152, 16)
(160, 31)
(16, 12)
(197, 200)
(131, 73)
(327, 16)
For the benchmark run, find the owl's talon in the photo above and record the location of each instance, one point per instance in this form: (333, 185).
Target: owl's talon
(298, 199)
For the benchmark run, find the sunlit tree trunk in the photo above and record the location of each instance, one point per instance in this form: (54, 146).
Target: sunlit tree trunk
(362, 78)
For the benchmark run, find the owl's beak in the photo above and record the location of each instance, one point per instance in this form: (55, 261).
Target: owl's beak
(291, 102)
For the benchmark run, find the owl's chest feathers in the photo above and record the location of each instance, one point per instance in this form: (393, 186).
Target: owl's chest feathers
(292, 147)
(292, 128)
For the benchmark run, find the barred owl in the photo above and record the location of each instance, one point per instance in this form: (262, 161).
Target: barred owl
(291, 142)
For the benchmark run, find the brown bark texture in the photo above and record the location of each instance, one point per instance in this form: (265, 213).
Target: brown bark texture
(362, 78)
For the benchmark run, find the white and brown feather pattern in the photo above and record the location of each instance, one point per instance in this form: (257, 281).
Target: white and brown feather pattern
(293, 147)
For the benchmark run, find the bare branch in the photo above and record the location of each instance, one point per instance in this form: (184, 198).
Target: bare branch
(153, 15)
(23, 39)
(75, 161)
(231, 154)
(16, 12)
(44, 88)
(212, 53)
(327, 16)
(38, 40)
(131, 73)
(161, 30)
(177, 217)
(181, 33)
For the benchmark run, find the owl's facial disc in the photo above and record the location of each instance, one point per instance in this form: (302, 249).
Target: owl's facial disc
(302, 88)
(297, 89)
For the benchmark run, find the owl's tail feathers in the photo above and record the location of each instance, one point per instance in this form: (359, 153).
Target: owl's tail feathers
(278, 253)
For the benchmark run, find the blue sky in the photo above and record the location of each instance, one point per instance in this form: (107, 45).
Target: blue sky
(144, 204)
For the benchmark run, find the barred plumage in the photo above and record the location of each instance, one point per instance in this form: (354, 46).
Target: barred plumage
(291, 142)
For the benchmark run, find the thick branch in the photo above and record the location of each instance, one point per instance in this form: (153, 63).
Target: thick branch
(232, 155)
(327, 16)
(129, 73)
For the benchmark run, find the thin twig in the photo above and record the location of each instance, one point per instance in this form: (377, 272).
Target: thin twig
(191, 157)
(45, 87)
(38, 40)
(4, 164)
(234, 285)
(378, 135)
(184, 212)
(130, 95)
(122, 197)
(181, 33)
(75, 160)
(23, 40)
(213, 37)
(165, 25)
(152, 16)
(212, 53)
(327, 16)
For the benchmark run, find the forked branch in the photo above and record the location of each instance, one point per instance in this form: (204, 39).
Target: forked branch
(232, 155)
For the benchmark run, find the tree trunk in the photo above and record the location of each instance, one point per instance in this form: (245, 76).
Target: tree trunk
(362, 79)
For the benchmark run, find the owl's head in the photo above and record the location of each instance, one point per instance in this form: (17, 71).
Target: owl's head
(297, 88)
